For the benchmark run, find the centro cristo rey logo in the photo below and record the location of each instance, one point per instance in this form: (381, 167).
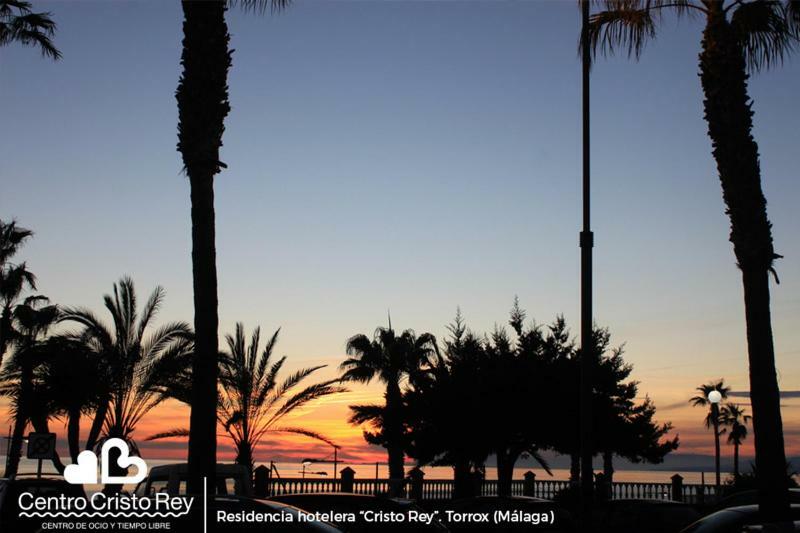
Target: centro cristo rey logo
(85, 472)
(101, 504)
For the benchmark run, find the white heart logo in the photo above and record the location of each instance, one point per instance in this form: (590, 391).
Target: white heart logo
(84, 472)
(125, 460)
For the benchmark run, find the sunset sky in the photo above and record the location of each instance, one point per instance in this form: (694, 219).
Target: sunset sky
(403, 156)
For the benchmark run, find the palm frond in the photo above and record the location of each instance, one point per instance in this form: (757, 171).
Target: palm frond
(11, 235)
(169, 375)
(266, 356)
(269, 381)
(28, 28)
(261, 6)
(307, 433)
(370, 413)
(163, 337)
(539, 458)
(92, 324)
(679, 7)
(357, 373)
(289, 383)
(623, 27)
(150, 310)
(765, 32)
(793, 16)
(235, 418)
(310, 393)
(180, 432)
(14, 280)
(358, 345)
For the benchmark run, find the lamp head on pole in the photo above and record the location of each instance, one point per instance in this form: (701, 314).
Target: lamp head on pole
(714, 397)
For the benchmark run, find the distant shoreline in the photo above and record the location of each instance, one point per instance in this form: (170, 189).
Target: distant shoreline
(623, 473)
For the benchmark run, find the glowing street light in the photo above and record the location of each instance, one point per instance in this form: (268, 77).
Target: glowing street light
(305, 463)
(714, 398)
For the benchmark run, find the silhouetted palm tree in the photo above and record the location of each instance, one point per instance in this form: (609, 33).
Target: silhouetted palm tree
(712, 419)
(253, 402)
(739, 37)
(735, 418)
(19, 24)
(31, 319)
(132, 359)
(71, 381)
(391, 359)
(202, 97)
(14, 279)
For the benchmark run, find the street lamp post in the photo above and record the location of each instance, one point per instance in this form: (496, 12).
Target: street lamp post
(714, 397)
(336, 447)
(586, 244)
(335, 460)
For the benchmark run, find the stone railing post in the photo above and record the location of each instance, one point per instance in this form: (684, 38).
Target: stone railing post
(701, 490)
(529, 484)
(347, 477)
(677, 487)
(417, 477)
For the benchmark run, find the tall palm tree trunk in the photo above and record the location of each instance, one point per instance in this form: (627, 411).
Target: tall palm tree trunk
(15, 448)
(20, 420)
(736, 462)
(717, 453)
(244, 457)
(394, 439)
(74, 434)
(202, 107)
(97, 424)
(574, 468)
(202, 425)
(5, 331)
(729, 117)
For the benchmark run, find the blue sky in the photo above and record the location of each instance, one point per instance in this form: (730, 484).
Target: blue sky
(412, 156)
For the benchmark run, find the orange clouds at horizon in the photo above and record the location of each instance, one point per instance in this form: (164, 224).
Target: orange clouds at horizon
(328, 416)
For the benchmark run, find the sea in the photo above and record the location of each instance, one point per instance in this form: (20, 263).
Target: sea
(324, 470)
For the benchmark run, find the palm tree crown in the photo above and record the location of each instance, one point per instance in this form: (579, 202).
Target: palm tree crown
(734, 417)
(766, 30)
(14, 279)
(11, 238)
(134, 359)
(18, 23)
(391, 359)
(701, 400)
(253, 401)
(387, 357)
(31, 320)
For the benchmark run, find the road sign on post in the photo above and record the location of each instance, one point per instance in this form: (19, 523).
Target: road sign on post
(41, 446)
